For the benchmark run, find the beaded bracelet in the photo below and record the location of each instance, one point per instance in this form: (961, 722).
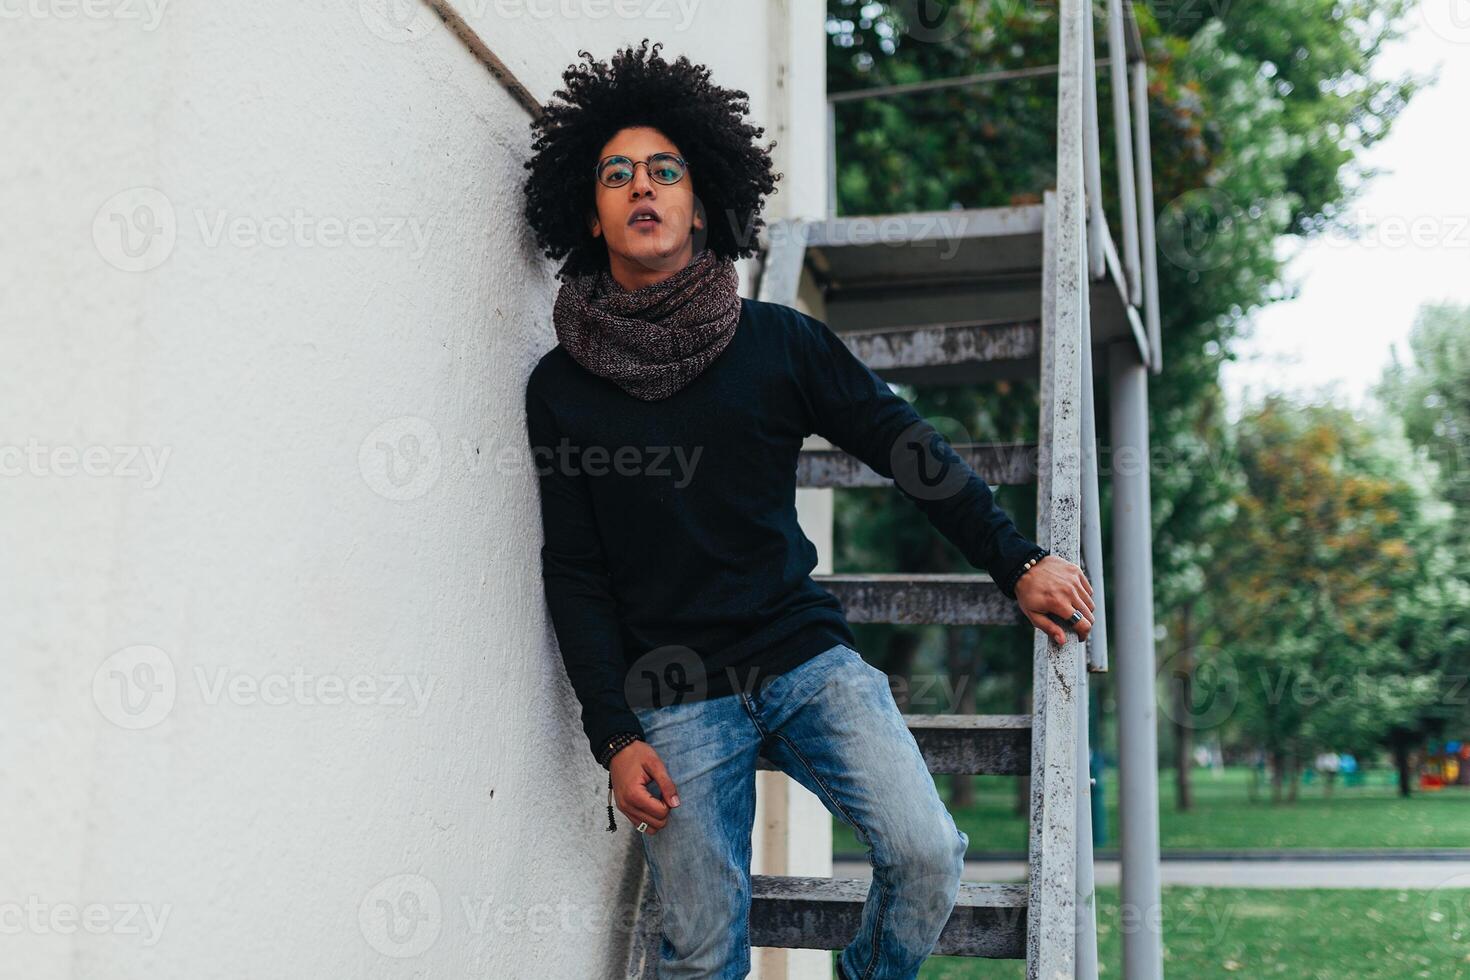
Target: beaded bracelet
(1037, 555)
(614, 745)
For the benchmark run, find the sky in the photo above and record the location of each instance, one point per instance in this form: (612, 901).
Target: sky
(1356, 298)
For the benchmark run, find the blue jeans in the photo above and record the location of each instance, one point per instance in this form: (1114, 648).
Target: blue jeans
(832, 724)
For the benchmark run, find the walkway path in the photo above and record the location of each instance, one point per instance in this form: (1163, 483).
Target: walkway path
(1419, 872)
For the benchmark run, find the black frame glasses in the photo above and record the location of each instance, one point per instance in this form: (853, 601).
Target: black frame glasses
(633, 169)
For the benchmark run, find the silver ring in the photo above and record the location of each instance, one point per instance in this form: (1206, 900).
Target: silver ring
(643, 827)
(1076, 616)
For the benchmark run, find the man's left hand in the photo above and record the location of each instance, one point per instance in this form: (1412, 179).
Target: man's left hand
(1055, 585)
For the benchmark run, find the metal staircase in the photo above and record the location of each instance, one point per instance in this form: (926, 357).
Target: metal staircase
(959, 297)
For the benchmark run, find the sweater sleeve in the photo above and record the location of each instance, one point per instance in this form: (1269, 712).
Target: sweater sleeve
(577, 585)
(853, 408)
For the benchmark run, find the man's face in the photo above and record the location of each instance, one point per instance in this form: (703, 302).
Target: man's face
(644, 251)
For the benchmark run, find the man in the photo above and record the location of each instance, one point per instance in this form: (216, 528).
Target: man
(666, 426)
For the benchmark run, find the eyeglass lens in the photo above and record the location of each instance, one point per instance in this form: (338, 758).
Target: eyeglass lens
(662, 167)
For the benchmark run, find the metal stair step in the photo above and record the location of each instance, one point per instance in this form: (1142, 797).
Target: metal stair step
(924, 246)
(882, 271)
(949, 353)
(995, 300)
(998, 463)
(971, 745)
(989, 919)
(963, 599)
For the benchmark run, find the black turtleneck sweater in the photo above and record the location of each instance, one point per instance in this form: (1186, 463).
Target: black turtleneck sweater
(673, 564)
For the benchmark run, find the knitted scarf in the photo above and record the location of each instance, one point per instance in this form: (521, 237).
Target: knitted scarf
(653, 340)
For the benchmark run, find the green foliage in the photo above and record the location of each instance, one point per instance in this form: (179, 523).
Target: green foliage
(1258, 114)
(1229, 815)
(1325, 588)
(1317, 58)
(1300, 933)
(1432, 396)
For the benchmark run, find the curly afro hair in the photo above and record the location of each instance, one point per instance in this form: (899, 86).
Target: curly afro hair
(732, 174)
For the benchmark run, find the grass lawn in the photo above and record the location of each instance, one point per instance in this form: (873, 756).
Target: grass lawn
(1370, 815)
(1304, 934)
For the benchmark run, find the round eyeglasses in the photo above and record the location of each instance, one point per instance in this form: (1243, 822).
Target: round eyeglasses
(666, 168)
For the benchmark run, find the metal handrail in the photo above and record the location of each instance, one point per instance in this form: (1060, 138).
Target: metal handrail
(1097, 222)
(1123, 146)
(1147, 247)
(1054, 911)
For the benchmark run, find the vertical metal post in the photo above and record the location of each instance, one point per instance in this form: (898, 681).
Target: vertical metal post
(1097, 654)
(1099, 787)
(1092, 551)
(1097, 225)
(1146, 215)
(1133, 627)
(1127, 185)
(1086, 892)
(1051, 916)
(831, 159)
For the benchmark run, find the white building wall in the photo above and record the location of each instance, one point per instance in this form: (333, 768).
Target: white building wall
(281, 694)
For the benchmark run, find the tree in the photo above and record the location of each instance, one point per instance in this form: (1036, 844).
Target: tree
(1324, 602)
(1431, 395)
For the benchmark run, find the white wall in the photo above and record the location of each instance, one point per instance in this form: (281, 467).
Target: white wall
(338, 495)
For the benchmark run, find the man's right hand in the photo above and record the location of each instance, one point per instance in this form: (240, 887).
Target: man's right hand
(634, 766)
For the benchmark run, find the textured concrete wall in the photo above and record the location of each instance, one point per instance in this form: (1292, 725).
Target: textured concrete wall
(281, 697)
